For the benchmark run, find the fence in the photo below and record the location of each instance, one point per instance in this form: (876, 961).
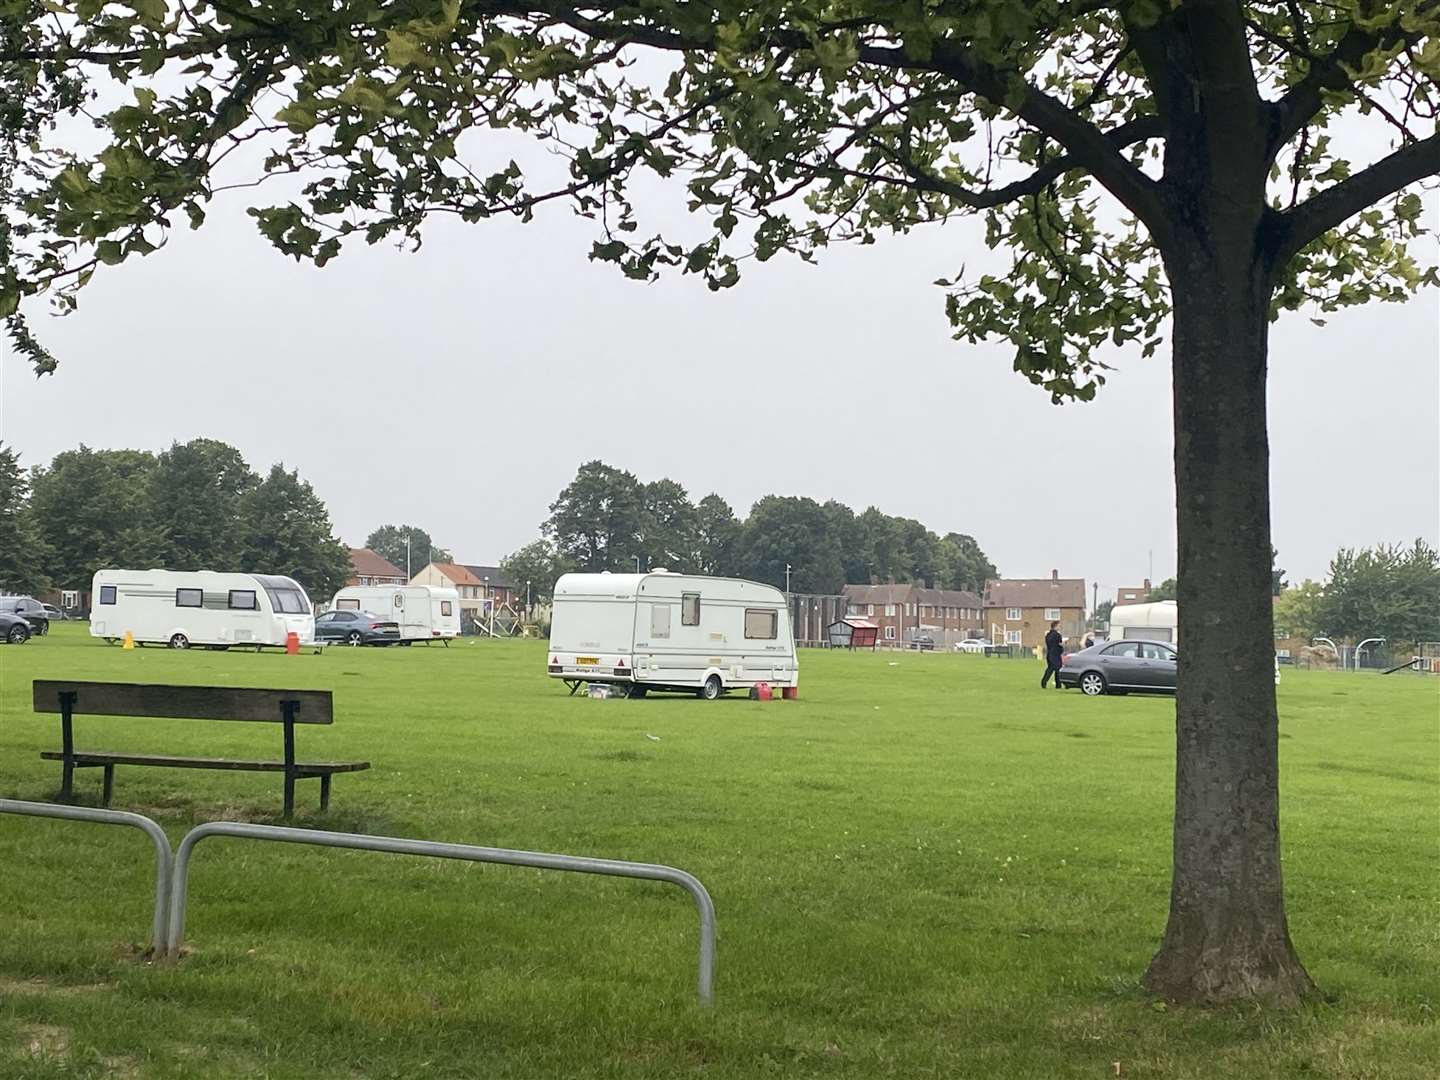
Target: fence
(172, 874)
(811, 615)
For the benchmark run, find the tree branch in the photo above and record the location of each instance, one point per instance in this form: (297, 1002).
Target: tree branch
(1330, 208)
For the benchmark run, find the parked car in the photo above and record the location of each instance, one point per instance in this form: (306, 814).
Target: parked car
(923, 643)
(14, 630)
(53, 613)
(356, 628)
(972, 645)
(29, 609)
(1120, 667)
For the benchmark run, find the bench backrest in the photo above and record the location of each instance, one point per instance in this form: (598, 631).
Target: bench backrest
(183, 702)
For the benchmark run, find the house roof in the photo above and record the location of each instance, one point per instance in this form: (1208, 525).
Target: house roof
(1053, 591)
(910, 594)
(457, 574)
(367, 563)
(878, 594)
(947, 598)
(497, 579)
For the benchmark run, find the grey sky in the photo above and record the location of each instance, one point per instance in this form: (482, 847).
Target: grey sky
(458, 389)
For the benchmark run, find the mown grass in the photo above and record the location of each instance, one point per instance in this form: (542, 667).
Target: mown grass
(925, 867)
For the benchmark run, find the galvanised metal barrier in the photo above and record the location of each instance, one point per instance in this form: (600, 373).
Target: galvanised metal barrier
(163, 858)
(471, 853)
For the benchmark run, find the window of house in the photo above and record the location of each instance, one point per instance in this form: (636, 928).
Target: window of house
(347, 603)
(1012, 613)
(869, 609)
(659, 620)
(1052, 614)
(107, 594)
(889, 633)
(189, 598)
(243, 600)
(690, 609)
(761, 624)
(890, 610)
(1012, 637)
(445, 609)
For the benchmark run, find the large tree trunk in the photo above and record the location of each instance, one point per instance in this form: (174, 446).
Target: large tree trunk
(1227, 937)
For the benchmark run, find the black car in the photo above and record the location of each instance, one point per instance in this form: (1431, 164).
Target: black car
(1121, 666)
(13, 629)
(29, 609)
(356, 628)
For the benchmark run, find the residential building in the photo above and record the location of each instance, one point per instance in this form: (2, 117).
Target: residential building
(475, 584)
(1019, 611)
(1133, 595)
(902, 612)
(369, 568)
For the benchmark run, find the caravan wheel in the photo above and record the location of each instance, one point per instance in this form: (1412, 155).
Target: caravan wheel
(712, 689)
(179, 641)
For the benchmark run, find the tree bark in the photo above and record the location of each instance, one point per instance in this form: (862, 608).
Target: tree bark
(1226, 938)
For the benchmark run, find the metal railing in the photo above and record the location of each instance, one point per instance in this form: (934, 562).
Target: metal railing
(400, 846)
(163, 858)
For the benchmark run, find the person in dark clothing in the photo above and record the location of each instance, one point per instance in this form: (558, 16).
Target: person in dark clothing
(1054, 651)
(1089, 642)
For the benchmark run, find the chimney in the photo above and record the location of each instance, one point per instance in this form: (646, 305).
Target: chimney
(1147, 585)
(1055, 575)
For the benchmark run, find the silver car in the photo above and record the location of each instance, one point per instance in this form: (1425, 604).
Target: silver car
(1121, 666)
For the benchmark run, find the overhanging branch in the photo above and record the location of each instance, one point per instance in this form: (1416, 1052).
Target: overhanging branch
(1330, 208)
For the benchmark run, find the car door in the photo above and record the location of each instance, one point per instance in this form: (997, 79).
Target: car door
(1120, 663)
(1157, 663)
(325, 625)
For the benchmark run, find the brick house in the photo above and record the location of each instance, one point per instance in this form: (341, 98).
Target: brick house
(1131, 594)
(904, 611)
(368, 568)
(1019, 611)
(475, 584)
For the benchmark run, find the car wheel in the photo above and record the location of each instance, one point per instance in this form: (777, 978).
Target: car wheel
(179, 641)
(354, 638)
(712, 689)
(18, 635)
(43, 629)
(1092, 683)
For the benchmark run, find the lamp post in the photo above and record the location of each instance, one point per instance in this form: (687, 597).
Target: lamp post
(637, 562)
(407, 558)
(787, 579)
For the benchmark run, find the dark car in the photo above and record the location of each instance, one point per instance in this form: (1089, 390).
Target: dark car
(13, 629)
(356, 628)
(29, 609)
(1120, 667)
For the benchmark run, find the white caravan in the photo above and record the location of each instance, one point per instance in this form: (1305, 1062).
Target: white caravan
(665, 631)
(1147, 622)
(424, 612)
(181, 608)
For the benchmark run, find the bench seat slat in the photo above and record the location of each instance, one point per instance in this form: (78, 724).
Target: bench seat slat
(305, 768)
(183, 702)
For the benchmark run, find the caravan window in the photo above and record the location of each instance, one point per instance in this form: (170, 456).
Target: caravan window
(107, 594)
(761, 624)
(660, 620)
(690, 609)
(445, 609)
(243, 600)
(289, 602)
(349, 603)
(189, 598)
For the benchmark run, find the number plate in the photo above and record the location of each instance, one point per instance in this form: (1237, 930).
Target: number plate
(587, 660)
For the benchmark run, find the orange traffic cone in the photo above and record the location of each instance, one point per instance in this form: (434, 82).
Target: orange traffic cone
(129, 640)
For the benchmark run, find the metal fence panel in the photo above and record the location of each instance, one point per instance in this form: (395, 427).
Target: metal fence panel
(163, 858)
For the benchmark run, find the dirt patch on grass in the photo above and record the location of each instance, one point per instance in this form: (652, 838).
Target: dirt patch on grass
(44, 1040)
(40, 986)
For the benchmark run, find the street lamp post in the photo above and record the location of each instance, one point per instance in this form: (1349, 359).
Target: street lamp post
(407, 558)
(637, 562)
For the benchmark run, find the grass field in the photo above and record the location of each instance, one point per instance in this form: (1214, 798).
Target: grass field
(926, 867)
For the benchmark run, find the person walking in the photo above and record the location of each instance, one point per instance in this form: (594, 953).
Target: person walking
(1054, 651)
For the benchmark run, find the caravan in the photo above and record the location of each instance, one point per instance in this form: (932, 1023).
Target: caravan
(424, 612)
(665, 631)
(181, 608)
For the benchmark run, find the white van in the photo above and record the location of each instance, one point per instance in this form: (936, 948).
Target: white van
(664, 631)
(424, 612)
(181, 608)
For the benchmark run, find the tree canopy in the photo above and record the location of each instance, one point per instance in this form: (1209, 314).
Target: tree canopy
(388, 541)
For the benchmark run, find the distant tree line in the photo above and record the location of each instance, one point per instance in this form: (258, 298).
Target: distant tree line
(1388, 591)
(389, 542)
(608, 519)
(196, 506)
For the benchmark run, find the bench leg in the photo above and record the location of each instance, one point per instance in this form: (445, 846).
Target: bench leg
(109, 783)
(67, 780)
(325, 793)
(289, 794)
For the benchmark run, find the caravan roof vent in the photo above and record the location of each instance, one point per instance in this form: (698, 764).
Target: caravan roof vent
(659, 570)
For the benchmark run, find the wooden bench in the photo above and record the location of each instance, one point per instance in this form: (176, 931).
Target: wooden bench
(287, 707)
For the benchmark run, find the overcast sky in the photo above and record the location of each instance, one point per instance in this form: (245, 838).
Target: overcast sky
(458, 389)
